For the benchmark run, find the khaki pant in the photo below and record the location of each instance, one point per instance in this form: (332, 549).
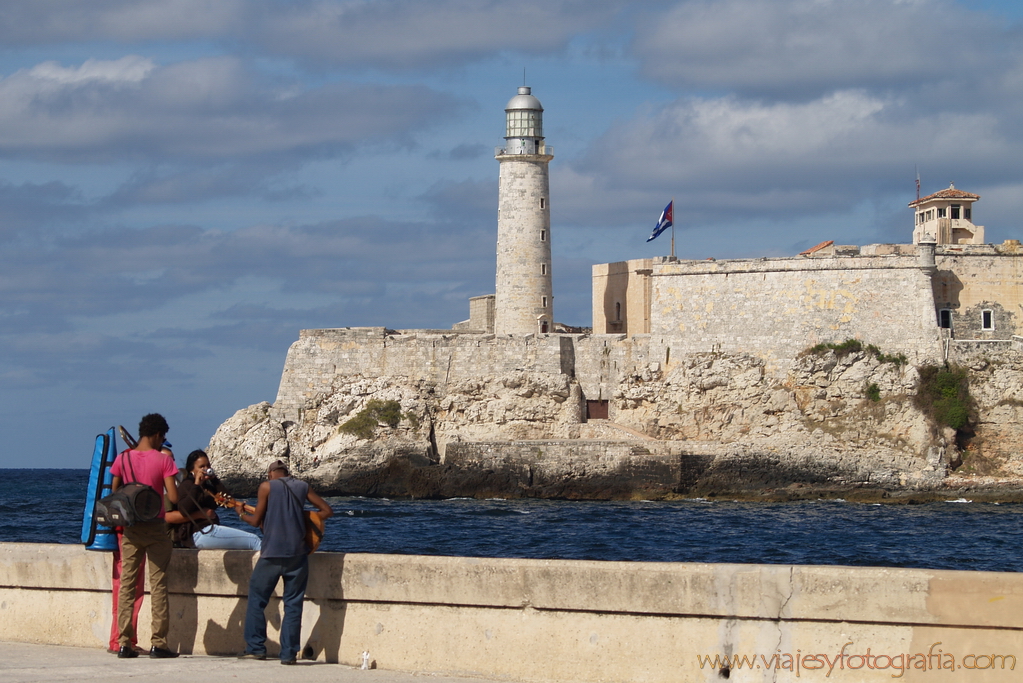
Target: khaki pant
(150, 540)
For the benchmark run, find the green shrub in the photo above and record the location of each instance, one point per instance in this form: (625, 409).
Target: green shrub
(843, 349)
(897, 359)
(855, 346)
(873, 392)
(943, 394)
(364, 424)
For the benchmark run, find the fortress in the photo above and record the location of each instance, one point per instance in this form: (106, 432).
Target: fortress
(695, 374)
(918, 299)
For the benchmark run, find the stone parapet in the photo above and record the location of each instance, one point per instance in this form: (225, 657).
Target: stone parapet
(776, 308)
(557, 620)
(319, 356)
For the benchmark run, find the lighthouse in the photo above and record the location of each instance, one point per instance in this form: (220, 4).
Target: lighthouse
(524, 297)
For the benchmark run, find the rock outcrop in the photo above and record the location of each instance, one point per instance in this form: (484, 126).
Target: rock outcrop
(705, 424)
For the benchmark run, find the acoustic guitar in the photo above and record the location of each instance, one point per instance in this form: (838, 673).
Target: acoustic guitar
(313, 524)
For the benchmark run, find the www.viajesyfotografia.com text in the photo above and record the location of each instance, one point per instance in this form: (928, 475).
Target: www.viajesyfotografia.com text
(935, 659)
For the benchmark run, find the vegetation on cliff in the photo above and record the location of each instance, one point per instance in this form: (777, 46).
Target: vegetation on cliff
(943, 394)
(856, 346)
(376, 412)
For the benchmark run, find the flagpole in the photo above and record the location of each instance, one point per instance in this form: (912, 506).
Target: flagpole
(673, 228)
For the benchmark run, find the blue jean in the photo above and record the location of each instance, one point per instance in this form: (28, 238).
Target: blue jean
(295, 572)
(225, 538)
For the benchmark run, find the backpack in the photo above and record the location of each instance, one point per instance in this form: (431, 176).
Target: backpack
(130, 504)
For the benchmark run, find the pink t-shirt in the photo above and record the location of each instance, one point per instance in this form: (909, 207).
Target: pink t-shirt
(148, 467)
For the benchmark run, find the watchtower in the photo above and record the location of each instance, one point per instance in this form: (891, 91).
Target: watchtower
(946, 217)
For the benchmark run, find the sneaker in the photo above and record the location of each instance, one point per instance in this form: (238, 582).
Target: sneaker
(253, 655)
(288, 662)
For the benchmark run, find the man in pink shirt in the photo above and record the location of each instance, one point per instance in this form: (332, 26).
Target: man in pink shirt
(147, 465)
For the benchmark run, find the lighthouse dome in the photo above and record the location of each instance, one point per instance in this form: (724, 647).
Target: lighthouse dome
(524, 100)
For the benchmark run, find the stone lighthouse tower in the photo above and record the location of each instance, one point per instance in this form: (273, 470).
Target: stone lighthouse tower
(524, 301)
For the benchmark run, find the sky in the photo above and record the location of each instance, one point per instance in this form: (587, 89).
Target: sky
(186, 184)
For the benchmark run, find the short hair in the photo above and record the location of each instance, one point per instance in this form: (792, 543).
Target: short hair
(153, 424)
(192, 457)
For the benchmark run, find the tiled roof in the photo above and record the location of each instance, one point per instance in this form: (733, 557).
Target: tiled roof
(950, 193)
(817, 248)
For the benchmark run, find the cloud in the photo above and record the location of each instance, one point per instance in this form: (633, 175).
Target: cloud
(209, 110)
(92, 305)
(45, 21)
(469, 201)
(414, 35)
(732, 158)
(58, 277)
(804, 48)
(177, 185)
(397, 35)
(32, 205)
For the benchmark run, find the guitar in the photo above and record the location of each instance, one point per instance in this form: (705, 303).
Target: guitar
(127, 438)
(313, 524)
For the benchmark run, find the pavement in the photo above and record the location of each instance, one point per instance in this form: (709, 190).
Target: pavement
(28, 662)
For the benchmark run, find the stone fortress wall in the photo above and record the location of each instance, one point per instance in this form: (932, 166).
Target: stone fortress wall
(901, 298)
(971, 279)
(596, 362)
(776, 308)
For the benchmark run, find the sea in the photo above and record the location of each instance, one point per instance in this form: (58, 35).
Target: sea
(46, 506)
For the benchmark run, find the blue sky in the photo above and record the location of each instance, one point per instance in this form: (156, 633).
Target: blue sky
(186, 184)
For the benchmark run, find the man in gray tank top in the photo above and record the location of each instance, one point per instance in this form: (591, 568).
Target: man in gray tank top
(284, 555)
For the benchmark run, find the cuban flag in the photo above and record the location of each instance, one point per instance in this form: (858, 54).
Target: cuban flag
(664, 222)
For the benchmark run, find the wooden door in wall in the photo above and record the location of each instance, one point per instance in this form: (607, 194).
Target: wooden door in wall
(596, 410)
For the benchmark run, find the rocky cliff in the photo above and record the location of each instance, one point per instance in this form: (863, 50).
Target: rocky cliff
(832, 422)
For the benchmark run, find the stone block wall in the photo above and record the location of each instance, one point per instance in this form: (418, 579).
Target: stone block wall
(973, 279)
(775, 308)
(320, 355)
(621, 297)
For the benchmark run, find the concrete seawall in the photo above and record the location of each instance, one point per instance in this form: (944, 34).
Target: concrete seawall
(554, 620)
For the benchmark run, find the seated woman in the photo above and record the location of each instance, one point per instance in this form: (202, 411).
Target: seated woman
(197, 511)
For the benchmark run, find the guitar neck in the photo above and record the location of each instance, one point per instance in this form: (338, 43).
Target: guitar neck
(226, 500)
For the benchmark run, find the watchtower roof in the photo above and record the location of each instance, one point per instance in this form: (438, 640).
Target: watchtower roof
(950, 193)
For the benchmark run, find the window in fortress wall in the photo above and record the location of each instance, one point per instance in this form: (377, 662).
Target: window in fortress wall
(987, 320)
(945, 318)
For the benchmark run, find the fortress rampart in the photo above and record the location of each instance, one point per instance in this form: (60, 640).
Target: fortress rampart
(319, 356)
(557, 620)
(771, 307)
(886, 301)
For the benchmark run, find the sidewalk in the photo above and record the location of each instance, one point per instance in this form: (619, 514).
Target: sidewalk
(27, 663)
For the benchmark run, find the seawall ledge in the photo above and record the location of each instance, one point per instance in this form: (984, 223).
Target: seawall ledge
(533, 620)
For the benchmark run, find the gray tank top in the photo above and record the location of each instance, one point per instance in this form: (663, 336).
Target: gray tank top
(284, 523)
